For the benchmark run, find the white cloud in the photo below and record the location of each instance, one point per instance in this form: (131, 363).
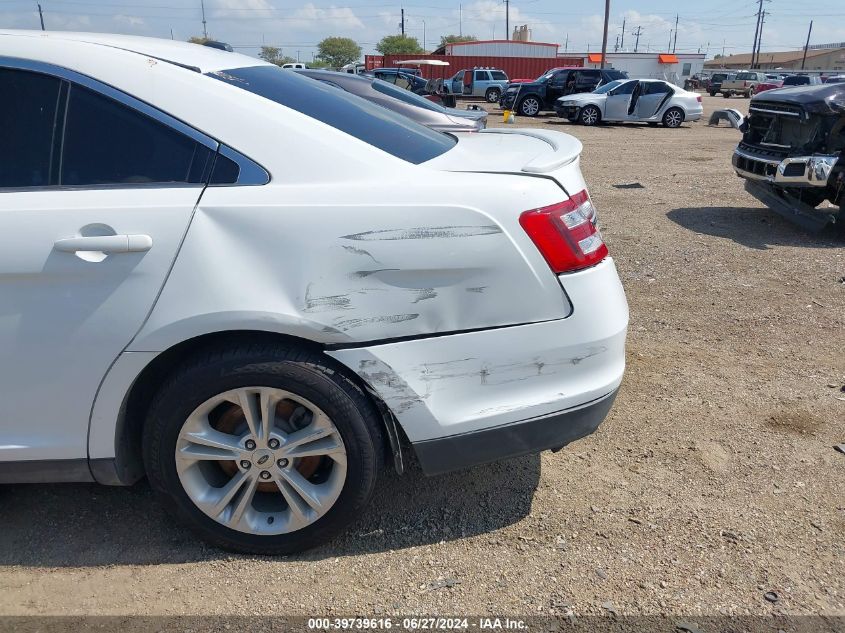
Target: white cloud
(130, 20)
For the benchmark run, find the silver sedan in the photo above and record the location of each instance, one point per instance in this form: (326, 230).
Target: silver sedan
(649, 100)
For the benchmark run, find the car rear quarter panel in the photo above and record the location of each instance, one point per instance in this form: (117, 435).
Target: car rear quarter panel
(355, 263)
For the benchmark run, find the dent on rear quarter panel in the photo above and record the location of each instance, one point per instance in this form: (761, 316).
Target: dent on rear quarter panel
(351, 273)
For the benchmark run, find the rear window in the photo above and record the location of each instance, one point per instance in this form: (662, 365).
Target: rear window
(800, 80)
(615, 74)
(406, 95)
(377, 126)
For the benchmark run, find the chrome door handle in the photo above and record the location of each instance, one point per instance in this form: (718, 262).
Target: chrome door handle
(105, 244)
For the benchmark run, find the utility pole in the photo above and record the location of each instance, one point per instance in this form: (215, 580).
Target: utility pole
(204, 29)
(760, 39)
(507, 19)
(807, 45)
(402, 23)
(41, 15)
(566, 44)
(616, 46)
(756, 32)
(669, 47)
(638, 32)
(604, 36)
(460, 19)
(675, 45)
(622, 43)
(171, 34)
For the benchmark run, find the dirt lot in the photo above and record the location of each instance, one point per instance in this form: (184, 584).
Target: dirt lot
(713, 481)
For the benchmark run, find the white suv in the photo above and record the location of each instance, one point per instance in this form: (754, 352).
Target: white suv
(253, 288)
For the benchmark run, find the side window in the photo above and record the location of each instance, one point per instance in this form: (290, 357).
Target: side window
(109, 143)
(560, 78)
(588, 78)
(626, 88)
(686, 70)
(656, 88)
(481, 75)
(28, 105)
(498, 75)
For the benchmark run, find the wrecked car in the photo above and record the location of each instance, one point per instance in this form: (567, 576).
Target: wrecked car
(791, 152)
(256, 289)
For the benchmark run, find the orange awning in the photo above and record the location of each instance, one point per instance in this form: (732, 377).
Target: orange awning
(594, 58)
(667, 59)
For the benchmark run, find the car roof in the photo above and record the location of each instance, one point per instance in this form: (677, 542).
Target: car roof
(203, 59)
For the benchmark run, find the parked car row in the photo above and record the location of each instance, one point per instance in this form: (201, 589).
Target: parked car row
(542, 94)
(256, 288)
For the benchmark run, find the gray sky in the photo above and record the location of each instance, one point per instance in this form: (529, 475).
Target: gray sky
(297, 27)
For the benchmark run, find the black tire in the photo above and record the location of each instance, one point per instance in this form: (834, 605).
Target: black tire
(306, 373)
(589, 115)
(726, 95)
(492, 95)
(713, 94)
(673, 117)
(530, 106)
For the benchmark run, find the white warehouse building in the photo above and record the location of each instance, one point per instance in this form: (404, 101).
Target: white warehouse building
(671, 67)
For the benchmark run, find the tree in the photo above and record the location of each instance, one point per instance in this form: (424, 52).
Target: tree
(452, 39)
(399, 45)
(197, 39)
(718, 56)
(338, 51)
(274, 56)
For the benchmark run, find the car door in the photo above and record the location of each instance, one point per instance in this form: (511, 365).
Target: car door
(480, 82)
(652, 98)
(618, 100)
(96, 192)
(457, 83)
(556, 87)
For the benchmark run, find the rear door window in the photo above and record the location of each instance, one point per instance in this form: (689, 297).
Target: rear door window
(28, 122)
(108, 143)
(391, 132)
(498, 75)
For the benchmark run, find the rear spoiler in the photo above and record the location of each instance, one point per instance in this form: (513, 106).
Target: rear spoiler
(565, 148)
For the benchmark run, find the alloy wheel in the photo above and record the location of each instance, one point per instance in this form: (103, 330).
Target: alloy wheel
(530, 106)
(261, 460)
(589, 116)
(674, 118)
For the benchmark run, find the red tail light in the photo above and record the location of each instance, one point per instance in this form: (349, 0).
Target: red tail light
(699, 98)
(566, 233)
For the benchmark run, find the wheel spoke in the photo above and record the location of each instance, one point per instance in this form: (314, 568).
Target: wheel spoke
(244, 502)
(322, 446)
(249, 404)
(222, 497)
(269, 401)
(298, 508)
(305, 490)
(305, 437)
(210, 444)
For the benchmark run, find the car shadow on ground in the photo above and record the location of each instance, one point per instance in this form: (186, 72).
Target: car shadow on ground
(755, 227)
(85, 525)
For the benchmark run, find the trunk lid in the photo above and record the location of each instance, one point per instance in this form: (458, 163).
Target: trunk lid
(528, 152)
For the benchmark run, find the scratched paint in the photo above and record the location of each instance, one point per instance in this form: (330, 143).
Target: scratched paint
(425, 233)
(349, 324)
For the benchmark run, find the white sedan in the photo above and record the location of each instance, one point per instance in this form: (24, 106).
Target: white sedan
(254, 289)
(647, 100)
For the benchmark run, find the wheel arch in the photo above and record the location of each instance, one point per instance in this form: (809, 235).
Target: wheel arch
(121, 406)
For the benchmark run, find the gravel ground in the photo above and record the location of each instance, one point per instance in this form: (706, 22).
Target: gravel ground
(713, 481)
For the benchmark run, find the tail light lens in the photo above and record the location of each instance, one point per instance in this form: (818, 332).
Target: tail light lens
(699, 98)
(566, 233)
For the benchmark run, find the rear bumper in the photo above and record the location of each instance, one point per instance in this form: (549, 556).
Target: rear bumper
(456, 385)
(513, 440)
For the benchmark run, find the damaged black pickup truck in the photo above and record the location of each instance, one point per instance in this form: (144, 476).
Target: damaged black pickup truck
(792, 153)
